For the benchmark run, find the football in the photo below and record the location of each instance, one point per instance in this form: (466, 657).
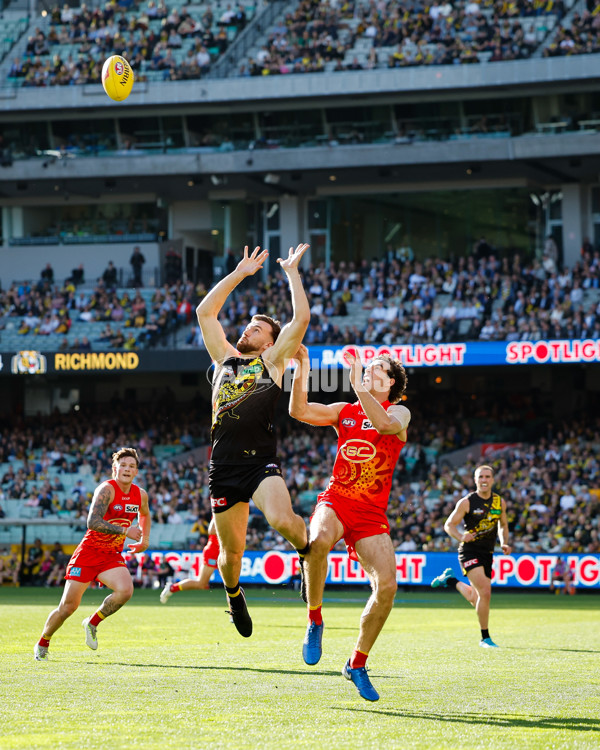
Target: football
(117, 78)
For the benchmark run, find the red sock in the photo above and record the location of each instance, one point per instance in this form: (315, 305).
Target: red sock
(175, 587)
(45, 642)
(97, 618)
(314, 615)
(358, 659)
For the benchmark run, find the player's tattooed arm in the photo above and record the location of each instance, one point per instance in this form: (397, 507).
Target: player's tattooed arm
(98, 508)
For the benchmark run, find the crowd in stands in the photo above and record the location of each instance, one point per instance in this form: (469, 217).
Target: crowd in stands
(580, 38)
(550, 484)
(146, 36)
(131, 322)
(306, 39)
(477, 298)
(480, 297)
(436, 33)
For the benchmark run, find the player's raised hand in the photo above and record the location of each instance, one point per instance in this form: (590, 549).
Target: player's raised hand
(251, 263)
(301, 355)
(294, 257)
(352, 359)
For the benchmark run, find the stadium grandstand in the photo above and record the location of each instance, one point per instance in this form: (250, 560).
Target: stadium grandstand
(444, 167)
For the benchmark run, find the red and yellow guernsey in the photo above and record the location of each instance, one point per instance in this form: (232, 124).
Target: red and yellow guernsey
(122, 511)
(365, 460)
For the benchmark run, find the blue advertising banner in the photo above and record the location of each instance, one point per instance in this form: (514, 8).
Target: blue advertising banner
(471, 353)
(462, 354)
(412, 568)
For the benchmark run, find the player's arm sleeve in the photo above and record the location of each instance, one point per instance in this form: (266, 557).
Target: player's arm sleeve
(102, 498)
(399, 416)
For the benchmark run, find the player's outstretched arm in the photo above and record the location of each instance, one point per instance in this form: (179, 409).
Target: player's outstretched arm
(319, 415)
(208, 310)
(103, 496)
(292, 334)
(145, 522)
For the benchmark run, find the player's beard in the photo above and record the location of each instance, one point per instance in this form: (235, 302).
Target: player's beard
(243, 347)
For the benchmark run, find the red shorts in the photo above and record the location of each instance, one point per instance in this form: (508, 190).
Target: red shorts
(359, 519)
(87, 563)
(210, 554)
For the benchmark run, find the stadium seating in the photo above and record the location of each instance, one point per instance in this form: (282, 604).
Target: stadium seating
(550, 508)
(307, 37)
(476, 302)
(69, 47)
(317, 37)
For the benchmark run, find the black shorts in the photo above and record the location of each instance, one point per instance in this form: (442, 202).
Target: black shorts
(474, 557)
(230, 484)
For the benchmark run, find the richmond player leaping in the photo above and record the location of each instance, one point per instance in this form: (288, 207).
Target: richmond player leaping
(115, 506)
(246, 385)
(371, 434)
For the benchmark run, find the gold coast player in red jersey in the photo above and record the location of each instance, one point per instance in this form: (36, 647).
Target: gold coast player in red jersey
(371, 434)
(115, 505)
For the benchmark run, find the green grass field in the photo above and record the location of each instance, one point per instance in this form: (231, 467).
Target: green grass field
(179, 676)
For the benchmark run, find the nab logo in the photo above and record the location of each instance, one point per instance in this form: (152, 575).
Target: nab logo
(358, 451)
(218, 502)
(132, 508)
(348, 422)
(366, 425)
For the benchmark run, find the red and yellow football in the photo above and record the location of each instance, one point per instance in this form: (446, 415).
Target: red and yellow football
(117, 78)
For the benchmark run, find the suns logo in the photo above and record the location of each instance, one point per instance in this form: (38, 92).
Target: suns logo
(358, 451)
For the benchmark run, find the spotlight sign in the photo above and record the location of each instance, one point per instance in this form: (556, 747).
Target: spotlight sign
(276, 568)
(470, 353)
(323, 357)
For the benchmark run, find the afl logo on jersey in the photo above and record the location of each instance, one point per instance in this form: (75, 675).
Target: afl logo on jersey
(348, 422)
(118, 507)
(358, 451)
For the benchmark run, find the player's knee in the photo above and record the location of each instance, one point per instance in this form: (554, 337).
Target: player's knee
(230, 556)
(320, 546)
(125, 593)
(283, 523)
(386, 589)
(66, 609)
